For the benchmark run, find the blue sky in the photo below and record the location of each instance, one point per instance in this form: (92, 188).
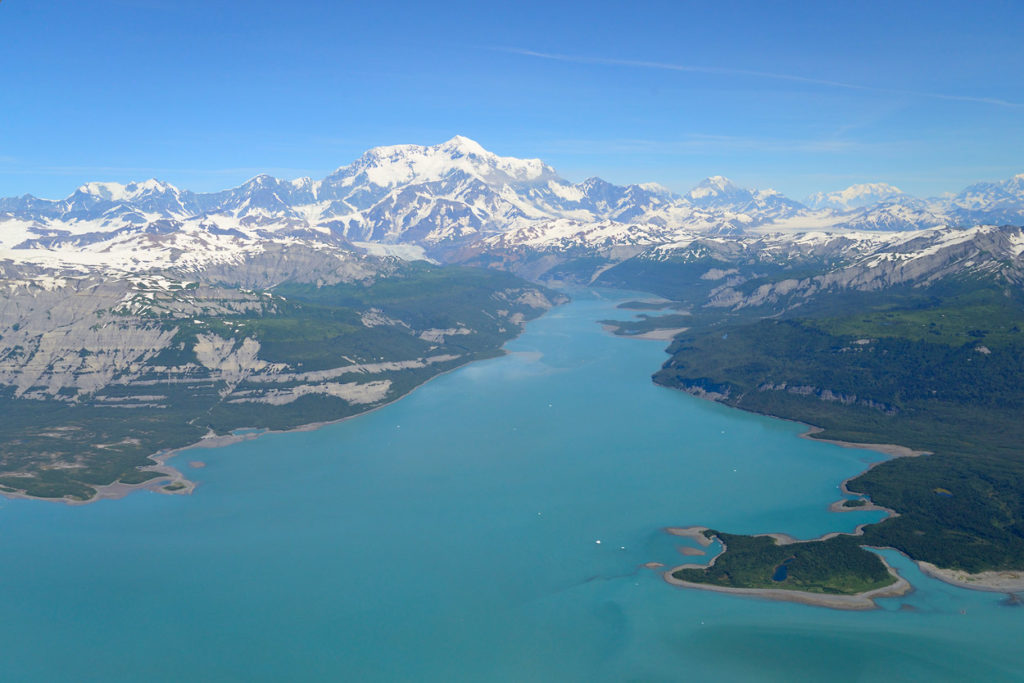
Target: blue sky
(797, 96)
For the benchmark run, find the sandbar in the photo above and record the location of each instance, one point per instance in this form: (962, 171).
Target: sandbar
(667, 334)
(662, 334)
(890, 449)
(694, 533)
(1009, 581)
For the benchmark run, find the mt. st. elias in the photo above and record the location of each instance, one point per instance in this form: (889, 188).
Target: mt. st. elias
(448, 202)
(283, 303)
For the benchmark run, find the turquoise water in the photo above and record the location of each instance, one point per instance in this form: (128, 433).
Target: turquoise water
(452, 536)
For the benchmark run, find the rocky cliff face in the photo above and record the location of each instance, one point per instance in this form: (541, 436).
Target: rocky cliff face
(100, 369)
(991, 254)
(67, 338)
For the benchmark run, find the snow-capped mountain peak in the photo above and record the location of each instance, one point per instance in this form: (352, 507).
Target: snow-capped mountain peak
(452, 197)
(400, 164)
(116, 192)
(105, 191)
(655, 188)
(461, 145)
(856, 197)
(748, 207)
(714, 186)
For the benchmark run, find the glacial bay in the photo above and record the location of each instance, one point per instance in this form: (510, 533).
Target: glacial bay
(453, 535)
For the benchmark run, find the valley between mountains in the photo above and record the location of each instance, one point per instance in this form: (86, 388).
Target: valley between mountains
(141, 318)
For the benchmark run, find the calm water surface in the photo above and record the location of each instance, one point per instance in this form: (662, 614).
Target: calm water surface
(453, 536)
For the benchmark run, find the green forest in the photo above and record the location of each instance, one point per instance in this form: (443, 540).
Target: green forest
(837, 566)
(938, 369)
(58, 449)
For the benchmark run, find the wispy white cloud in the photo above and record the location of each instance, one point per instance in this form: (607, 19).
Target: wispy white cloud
(708, 143)
(725, 71)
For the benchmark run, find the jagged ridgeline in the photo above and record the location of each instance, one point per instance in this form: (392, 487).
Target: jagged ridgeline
(141, 317)
(458, 201)
(101, 370)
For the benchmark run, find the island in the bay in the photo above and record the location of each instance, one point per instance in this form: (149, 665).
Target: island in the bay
(920, 346)
(139, 319)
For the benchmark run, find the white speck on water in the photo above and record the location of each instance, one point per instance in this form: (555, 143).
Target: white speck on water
(598, 542)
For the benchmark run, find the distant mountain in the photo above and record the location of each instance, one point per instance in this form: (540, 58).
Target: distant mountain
(244, 307)
(718, 191)
(900, 213)
(1001, 202)
(755, 206)
(856, 197)
(447, 201)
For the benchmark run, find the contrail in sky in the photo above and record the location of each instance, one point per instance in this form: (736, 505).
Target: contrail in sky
(664, 66)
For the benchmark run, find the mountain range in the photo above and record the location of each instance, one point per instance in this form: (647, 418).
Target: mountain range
(444, 202)
(283, 302)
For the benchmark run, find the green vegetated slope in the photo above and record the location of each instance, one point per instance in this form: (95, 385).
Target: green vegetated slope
(393, 335)
(937, 368)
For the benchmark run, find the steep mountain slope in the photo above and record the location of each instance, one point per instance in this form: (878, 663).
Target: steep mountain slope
(447, 198)
(789, 271)
(100, 372)
(280, 302)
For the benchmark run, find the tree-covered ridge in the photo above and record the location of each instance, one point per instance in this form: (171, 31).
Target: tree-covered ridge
(944, 375)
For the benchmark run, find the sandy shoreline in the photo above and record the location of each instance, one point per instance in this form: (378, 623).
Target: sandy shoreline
(667, 334)
(1010, 581)
(694, 533)
(168, 475)
(890, 449)
(859, 601)
(662, 334)
(995, 581)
